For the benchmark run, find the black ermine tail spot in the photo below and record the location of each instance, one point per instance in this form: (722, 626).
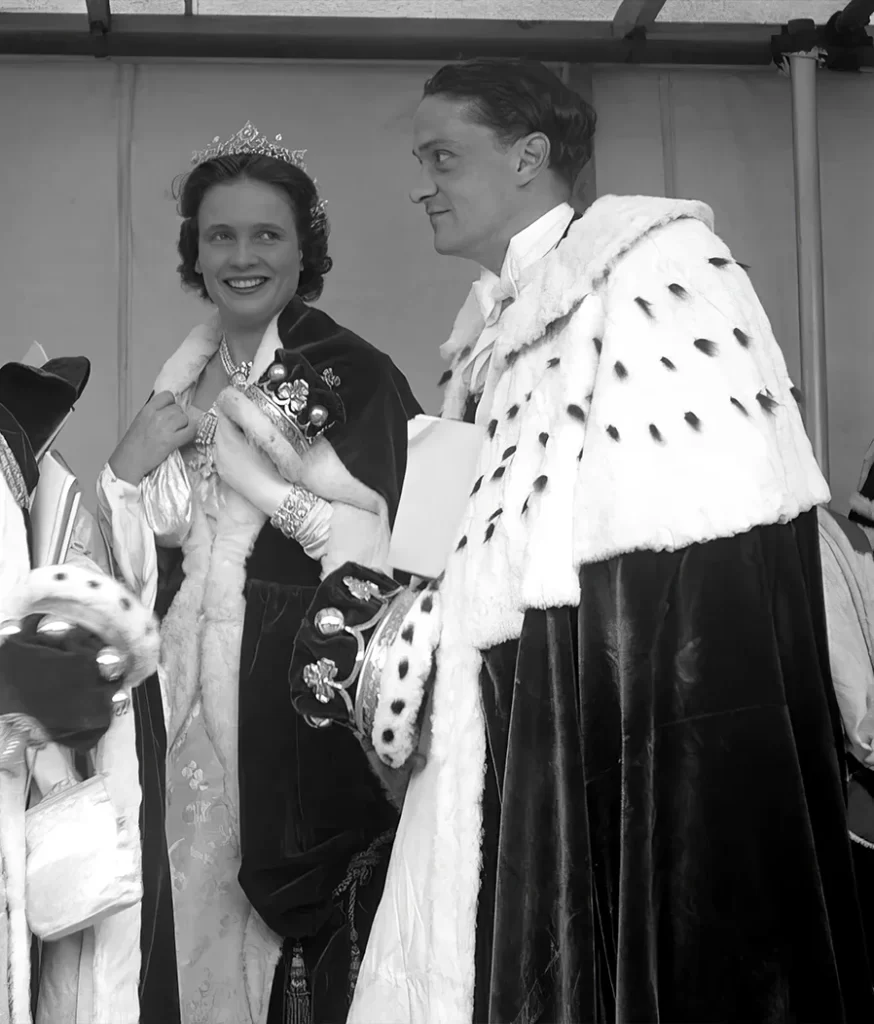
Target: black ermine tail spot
(499, 472)
(613, 432)
(445, 378)
(477, 486)
(718, 261)
(462, 544)
(544, 437)
(655, 433)
(509, 451)
(575, 412)
(668, 365)
(552, 363)
(512, 412)
(743, 266)
(796, 394)
(493, 426)
(403, 668)
(513, 356)
(706, 346)
(739, 406)
(397, 707)
(388, 736)
(597, 342)
(678, 290)
(620, 371)
(768, 403)
(495, 514)
(490, 529)
(742, 337)
(540, 483)
(427, 604)
(692, 420)
(408, 633)
(525, 506)
(645, 306)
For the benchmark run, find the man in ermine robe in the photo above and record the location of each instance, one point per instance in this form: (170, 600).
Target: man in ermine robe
(632, 805)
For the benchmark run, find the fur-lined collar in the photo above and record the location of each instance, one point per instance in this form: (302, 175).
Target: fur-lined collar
(183, 369)
(562, 279)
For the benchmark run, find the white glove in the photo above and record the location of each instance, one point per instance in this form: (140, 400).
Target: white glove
(246, 468)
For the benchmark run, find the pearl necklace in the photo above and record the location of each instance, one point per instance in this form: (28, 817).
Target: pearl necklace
(238, 374)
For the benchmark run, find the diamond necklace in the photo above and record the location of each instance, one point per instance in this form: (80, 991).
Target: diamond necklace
(238, 373)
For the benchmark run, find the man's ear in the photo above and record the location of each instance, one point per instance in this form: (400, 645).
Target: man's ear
(532, 156)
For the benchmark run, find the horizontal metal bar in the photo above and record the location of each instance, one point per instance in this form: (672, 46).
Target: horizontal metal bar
(413, 39)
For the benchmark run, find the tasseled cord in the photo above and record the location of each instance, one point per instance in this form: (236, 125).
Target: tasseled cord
(297, 994)
(360, 869)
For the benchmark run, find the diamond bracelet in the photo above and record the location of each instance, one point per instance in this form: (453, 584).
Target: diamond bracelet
(293, 511)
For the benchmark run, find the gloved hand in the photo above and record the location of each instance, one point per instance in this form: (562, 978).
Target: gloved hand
(246, 468)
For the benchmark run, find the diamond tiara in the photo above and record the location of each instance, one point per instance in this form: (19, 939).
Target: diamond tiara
(249, 140)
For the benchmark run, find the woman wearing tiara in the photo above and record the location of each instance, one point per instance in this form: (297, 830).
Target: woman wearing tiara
(278, 840)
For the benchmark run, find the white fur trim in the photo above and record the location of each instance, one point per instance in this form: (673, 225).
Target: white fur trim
(96, 602)
(557, 284)
(13, 861)
(261, 952)
(183, 369)
(201, 636)
(557, 491)
(590, 418)
(395, 734)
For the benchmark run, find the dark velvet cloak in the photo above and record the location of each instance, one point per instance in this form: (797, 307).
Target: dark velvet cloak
(308, 801)
(665, 833)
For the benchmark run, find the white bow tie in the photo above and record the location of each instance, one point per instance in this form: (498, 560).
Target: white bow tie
(492, 296)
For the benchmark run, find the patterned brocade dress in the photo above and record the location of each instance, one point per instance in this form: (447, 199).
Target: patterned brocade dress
(210, 906)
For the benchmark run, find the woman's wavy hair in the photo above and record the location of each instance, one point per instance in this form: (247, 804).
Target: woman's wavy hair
(516, 98)
(298, 188)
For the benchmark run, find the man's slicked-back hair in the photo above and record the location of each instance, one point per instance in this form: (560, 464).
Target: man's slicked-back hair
(515, 98)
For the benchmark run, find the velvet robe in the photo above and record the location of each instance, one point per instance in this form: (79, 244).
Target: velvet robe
(309, 803)
(664, 767)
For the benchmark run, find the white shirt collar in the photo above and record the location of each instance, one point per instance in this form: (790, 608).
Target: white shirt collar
(525, 248)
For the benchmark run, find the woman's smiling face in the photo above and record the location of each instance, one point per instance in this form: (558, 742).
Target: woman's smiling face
(248, 251)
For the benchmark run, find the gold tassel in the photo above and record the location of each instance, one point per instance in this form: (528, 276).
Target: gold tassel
(297, 997)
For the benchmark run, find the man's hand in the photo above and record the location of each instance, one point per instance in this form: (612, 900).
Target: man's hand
(158, 429)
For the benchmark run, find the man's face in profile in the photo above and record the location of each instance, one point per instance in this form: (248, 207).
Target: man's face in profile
(468, 184)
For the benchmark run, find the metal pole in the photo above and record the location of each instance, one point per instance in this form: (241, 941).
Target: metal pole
(808, 231)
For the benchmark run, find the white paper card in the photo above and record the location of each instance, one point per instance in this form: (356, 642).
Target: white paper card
(35, 356)
(442, 460)
(53, 514)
